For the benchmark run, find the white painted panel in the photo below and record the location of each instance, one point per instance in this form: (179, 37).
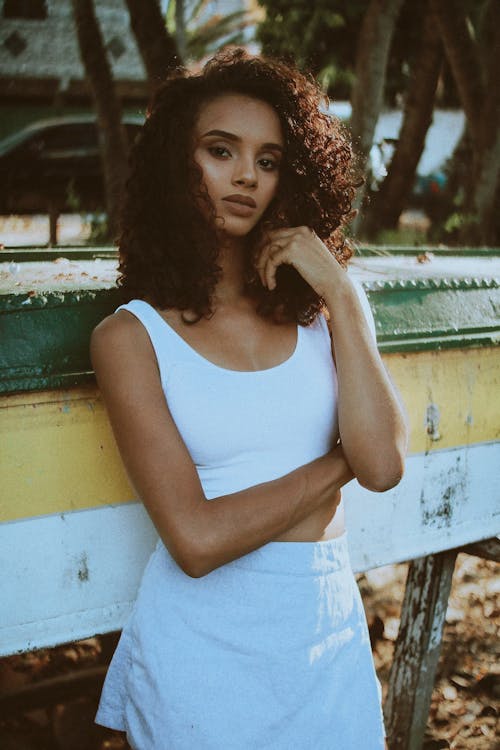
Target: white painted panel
(446, 499)
(65, 577)
(68, 576)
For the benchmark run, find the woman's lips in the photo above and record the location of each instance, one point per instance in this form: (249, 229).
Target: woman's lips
(240, 198)
(239, 209)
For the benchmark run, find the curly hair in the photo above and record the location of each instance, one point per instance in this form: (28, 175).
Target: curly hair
(168, 248)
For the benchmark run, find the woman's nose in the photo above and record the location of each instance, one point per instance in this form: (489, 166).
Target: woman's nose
(245, 173)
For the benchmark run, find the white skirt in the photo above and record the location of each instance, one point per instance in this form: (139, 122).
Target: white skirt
(270, 651)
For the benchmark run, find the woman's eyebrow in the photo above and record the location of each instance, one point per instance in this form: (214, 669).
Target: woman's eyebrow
(236, 138)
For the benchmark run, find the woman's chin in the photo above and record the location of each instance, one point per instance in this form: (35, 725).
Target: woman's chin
(235, 226)
(234, 230)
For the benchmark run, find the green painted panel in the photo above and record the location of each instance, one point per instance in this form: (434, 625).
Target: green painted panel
(30, 254)
(371, 250)
(444, 302)
(45, 334)
(431, 314)
(45, 338)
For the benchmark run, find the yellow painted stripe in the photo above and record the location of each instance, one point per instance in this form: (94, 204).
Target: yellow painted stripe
(57, 453)
(462, 383)
(57, 450)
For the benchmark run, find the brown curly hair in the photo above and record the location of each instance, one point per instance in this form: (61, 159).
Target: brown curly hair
(168, 250)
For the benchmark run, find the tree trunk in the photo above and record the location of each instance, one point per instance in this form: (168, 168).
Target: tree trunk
(371, 61)
(158, 49)
(465, 62)
(112, 140)
(180, 28)
(485, 195)
(392, 196)
(475, 69)
(487, 162)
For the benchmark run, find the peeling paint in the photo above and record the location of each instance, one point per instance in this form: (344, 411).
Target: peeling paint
(432, 419)
(443, 511)
(83, 569)
(443, 494)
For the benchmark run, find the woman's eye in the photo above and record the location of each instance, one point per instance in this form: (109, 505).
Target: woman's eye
(220, 151)
(268, 164)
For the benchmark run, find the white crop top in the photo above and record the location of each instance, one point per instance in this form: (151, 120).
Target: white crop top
(245, 428)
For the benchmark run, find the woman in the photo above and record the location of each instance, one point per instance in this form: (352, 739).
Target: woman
(239, 419)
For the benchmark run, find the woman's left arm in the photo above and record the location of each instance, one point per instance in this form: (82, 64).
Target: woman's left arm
(372, 423)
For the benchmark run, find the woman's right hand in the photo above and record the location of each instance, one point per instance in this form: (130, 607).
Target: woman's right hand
(321, 524)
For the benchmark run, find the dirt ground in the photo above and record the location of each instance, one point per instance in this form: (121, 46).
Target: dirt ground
(465, 703)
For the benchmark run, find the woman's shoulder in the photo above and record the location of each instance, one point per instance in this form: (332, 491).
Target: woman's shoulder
(120, 329)
(120, 352)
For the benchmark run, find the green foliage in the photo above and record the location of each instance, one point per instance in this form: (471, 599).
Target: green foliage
(206, 33)
(319, 36)
(459, 225)
(72, 197)
(99, 228)
(96, 223)
(207, 38)
(404, 237)
(322, 38)
(334, 78)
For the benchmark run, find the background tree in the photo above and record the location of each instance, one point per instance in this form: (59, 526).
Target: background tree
(350, 45)
(367, 93)
(157, 47)
(322, 37)
(390, 200)
(199, 32)
(112, 139)
(473, 54)
(180, 26)
(360, 50)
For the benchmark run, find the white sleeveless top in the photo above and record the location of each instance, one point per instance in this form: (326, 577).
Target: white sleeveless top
(245, 428)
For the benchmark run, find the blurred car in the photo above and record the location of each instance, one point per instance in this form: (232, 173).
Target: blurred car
(55, 165)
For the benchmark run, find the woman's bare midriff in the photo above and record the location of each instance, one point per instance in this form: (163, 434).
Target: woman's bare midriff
(315, 528)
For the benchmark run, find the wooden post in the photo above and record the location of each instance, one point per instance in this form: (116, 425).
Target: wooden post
(416, 655)
(54, 212)
(488, 549)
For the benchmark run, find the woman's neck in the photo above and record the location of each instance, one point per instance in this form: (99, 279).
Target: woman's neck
(231, 259)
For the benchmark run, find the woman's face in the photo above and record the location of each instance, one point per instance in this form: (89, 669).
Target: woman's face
(238, 143)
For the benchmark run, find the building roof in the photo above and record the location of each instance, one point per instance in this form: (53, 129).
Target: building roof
(46, 49)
